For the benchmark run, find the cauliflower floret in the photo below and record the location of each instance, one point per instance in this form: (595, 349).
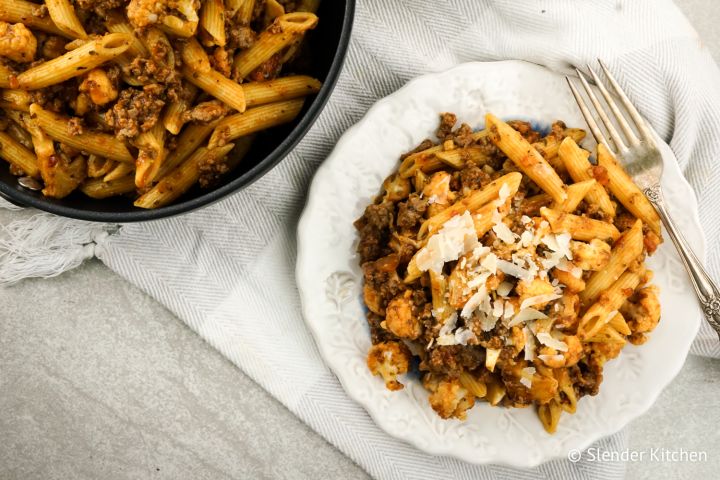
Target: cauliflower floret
(554, 359)
(142, 13)
(17, 42)
(451, 400)
(438, 193)
(389, 359)
(642, 310)
(590, 256)
(573, 283)
(399, 318)
(537, 286)
(99, 87)
(607, 350)
(567, 315)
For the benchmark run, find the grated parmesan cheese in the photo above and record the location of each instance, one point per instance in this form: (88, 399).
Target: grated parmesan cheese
(504, 288)
(526, 315)
(514, 270)
(538, 299)
(456, 237)
(529, 344)
(490, 263)
(473, 303)
(549, 341)
(527, 376)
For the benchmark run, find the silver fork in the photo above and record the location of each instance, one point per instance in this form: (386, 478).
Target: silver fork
(643, 162)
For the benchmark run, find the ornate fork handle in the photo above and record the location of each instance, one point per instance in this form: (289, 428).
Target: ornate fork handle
(706, 289)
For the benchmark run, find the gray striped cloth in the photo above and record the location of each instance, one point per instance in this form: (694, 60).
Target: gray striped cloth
(228, 270)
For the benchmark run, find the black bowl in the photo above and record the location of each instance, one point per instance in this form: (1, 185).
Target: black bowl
(325, 52)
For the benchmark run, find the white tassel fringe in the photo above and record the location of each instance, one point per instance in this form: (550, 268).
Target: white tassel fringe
(45, 246)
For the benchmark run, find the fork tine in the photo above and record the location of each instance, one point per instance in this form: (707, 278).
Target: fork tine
(614, 134)
(594, 128)
(639, 122)
(627, 129)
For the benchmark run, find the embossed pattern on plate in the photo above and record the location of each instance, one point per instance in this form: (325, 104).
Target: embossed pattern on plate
(330, 281)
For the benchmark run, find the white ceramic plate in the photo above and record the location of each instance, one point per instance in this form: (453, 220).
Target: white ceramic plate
(330, 280)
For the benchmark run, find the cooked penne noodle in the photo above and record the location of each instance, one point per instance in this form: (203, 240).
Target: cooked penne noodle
(15, 100)
(121, 170)
(212, 20)
(273, 9)
(101, 144)
(74, 63)
(525, 157)
(189, 140)
(117, 23)
(175, 25)
(408, 166)
(549, 415)
(5, 75)
(19, 134)
(272, 40)
(16, 154)
(277, 90)
(219, 86)
(254, 120)
(576, 163)
(181, 178)
(242, 10)
(626, 249)
(473, 385)
(438, 291)
(575, 194)
(627, 193)
(22, 11)
(151, 146)
(548, 147)
(472, 202)
(99, 189)
(173, 117)
(99, 167)
(580, 228)
(458, 157)
(63, 15)
(602, 311)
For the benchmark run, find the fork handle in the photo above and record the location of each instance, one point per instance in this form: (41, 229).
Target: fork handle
(706, 289)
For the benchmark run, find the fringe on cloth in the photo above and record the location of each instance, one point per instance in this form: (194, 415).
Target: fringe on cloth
(45, 245)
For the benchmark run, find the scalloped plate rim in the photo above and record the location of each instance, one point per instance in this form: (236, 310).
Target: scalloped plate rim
(301, 272)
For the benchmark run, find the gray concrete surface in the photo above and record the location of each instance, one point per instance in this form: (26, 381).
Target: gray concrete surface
(99, 381)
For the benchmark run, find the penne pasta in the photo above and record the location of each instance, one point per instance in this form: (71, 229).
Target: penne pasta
(15, 100)
(197, 70)
(117, 23)
(472, 202)
(99, 167)
(181, 178)
(5, 75)
(151, 146)
(576, 163)
(189, 140)
(22, 11)
(63, 15)
(607, 304)
(17, 155)
(254, 120)
(99, 189)
(580, 228)
(74, 63)
(575, 194)
(242, 10)
(525, 157)
(277, 90)
(173, 117)
(458, 157)
(473, 385)
(282, 33)
(212, 20)
(627, 193)
(101, 144)
(121, 170)
(626, 249)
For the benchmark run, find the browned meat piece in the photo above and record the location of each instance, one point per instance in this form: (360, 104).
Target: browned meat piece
(374, 228)
(267, 70)
(411, 212)
(473, 178)
(100, 7)
(453, 359)
(382, 283)
(525, 129)
(207, 112)
(463, 135)
(135, 111)
(447, 123)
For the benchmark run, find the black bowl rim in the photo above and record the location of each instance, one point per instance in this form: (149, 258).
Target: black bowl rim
(25, 199)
